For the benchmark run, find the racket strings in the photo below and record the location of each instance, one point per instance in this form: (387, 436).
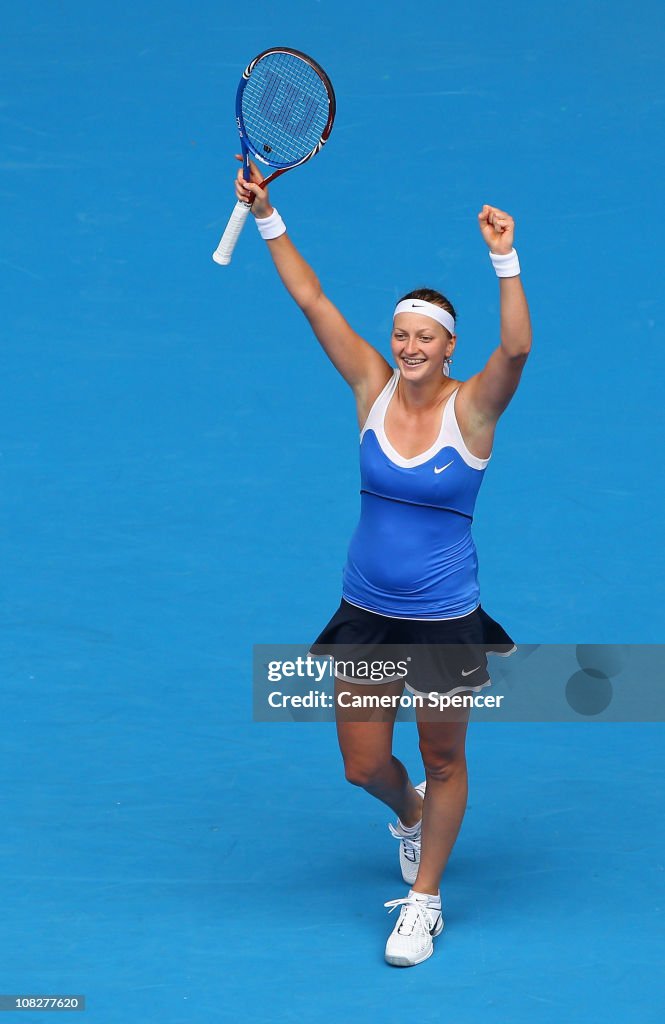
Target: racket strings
(285, 109)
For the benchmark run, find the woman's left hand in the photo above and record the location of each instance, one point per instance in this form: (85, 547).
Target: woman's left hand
(497, 228)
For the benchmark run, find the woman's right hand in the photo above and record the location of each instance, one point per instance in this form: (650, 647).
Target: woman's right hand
(251, 191)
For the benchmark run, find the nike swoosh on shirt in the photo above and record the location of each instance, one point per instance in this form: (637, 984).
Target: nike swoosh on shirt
(471, 670)
(440, 469)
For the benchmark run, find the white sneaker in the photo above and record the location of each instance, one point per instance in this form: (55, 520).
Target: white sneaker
(409, 849)
(420, 920)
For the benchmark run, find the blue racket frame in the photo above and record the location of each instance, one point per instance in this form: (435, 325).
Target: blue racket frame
(282, 135)
(247, 150)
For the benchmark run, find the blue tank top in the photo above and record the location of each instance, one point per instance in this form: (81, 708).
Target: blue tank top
(412, 554)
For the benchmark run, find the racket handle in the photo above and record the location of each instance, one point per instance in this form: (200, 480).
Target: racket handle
(224, 250)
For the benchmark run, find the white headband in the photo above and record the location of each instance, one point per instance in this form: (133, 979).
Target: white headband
(442, 316)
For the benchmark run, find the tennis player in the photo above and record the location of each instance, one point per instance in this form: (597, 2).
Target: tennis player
(411, 581)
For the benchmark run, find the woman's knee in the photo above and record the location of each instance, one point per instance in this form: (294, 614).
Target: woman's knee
(441, 764)
(364, 773)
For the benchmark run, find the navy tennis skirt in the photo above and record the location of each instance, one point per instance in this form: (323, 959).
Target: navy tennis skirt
(445, 656)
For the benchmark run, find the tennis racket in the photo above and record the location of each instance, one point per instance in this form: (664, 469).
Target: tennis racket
(285, 108)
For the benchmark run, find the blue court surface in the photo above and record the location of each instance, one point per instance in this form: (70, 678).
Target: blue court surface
(179, 482)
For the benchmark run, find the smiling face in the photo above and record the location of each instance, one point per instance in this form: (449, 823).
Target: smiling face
(420, 345)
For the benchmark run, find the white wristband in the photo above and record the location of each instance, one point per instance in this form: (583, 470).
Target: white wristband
(505, 265)
(272, 226)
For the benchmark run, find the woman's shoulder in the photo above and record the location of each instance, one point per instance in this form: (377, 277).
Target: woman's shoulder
(477, 433)
(380, 382)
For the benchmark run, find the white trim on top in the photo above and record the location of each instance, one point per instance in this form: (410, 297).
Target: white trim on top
(450, 435)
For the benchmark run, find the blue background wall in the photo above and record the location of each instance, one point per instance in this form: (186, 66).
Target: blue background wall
(179, 482)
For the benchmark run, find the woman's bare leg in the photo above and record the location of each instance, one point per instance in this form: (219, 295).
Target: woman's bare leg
(365, 740)
(442, 747)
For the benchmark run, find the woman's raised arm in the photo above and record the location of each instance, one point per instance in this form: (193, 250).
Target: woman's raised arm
(486, 395)
(359, 363)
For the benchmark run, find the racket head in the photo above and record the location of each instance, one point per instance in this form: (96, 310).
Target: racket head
(285, 109)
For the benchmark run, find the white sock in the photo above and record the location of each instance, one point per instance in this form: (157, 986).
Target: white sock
(409, 830)
(433, 900)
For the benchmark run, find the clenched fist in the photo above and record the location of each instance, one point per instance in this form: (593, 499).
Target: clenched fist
(497, 228)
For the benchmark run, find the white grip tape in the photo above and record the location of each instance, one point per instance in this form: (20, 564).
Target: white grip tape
(224, 250)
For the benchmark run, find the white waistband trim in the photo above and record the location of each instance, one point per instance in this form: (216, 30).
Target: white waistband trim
(410, 618)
